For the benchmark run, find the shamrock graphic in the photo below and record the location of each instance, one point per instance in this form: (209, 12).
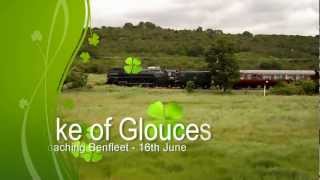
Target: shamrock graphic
(85, 56)
(23, 103)
(94, 39)
(95, 132)
(133, 65)
(169, 112)
(87, 155)
(36, 36)
(166, 113)
(76, 153)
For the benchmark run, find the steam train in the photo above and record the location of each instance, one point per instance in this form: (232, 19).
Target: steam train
(156, 77)
(269, 78)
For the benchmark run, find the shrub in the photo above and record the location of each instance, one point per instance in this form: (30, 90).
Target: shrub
(300, 87)
(76, 78)
(284, 88)
(190, 86)
(308, 86)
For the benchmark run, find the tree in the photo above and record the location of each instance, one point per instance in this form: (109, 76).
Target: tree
(147, 25)
(199, 29)
(247, 34)
(224, 68)
(195, 50)
(217, 32)
(150, 25)
(128, 26)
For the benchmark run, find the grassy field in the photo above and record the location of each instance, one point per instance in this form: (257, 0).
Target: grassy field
(255, 137)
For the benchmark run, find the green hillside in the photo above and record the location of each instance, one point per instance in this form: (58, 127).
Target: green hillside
(185, 49)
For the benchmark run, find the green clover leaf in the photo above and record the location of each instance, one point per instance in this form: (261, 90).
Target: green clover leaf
(23, 103)
(96, 156)
(76, 153)
(133, 65)
(94, 39)
(156, 110)
(170, 111)
(87, 155)
(85, 56)
(36, 36)
(96, 132)
(173, 111)
(91, 156)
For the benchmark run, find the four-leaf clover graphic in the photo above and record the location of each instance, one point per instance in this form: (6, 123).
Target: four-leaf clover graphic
(171, 111)
(85, 56)
(133, 65)
(94, 39)
(166, 113)
(86, 154)
(95, 132)
(36, 36)
(23, 103)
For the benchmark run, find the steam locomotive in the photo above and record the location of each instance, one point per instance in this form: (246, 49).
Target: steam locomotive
(155, 77)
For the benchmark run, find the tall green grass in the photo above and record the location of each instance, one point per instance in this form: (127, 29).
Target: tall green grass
(255, 137)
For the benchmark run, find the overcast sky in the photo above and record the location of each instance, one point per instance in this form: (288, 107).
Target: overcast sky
(232, 16)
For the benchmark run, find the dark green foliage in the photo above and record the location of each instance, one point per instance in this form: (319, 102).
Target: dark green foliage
(128, 26)
(221, 63)
(299, 88)
(149, 40)
(195, 50)
(309, 86)
(190, 86)
(247, 34)
(270, 65)
(284, 88)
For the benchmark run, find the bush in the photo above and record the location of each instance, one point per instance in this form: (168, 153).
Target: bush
(190, 86)
(309, 87)
(300, 87)
(270, 65)
(284, 88)
(76, 78)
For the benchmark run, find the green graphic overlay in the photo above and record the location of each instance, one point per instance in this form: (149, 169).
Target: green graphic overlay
(85, 56)
(166, 113)
(38, 42)
(87, 155)
(132, 65)
(94, 39)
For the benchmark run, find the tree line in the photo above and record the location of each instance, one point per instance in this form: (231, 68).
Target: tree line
(148, 39)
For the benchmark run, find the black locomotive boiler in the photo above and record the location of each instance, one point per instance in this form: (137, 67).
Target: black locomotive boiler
(159, 78)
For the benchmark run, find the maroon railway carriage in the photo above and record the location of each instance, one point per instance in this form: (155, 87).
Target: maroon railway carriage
(259, 78)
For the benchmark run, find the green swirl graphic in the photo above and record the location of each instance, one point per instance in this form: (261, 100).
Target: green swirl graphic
(39, 41)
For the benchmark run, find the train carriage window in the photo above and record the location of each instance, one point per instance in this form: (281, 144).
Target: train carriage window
(277, 77)
(290, 77)
(298, 77)
(265, 77)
